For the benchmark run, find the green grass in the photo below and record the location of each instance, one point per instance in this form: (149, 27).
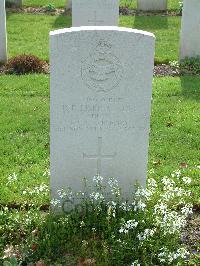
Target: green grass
(172, 4)
(24, 134)
(29, 33)
(166, 30)
(40, 3)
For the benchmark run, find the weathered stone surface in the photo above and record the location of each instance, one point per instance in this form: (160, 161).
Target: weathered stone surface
(190, 29)
(101, 81)
(152, 5)
(95, 13)
(3, 35)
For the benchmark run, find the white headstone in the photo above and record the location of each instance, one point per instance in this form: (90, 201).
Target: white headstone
(95, 13)
(190, 29)
(69, 5)
(3, 35)
(152, 5)
(101, 87)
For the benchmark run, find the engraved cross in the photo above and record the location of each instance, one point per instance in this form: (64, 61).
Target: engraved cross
(99, 156)
(95, 21)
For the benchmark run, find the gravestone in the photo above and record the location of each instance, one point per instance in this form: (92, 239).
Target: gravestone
(152, 5)
(190, 29)
(95, 13)
(16, 3)
(3, 34)
(101, 82)
(69, 5)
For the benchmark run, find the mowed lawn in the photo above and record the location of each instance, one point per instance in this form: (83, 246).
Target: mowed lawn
(172, 4)
(24, 133)
(29, 34)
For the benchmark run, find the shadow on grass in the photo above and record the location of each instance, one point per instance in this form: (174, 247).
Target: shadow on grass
(62, 21)
(147, 23)
(9, 14)
(191, 87)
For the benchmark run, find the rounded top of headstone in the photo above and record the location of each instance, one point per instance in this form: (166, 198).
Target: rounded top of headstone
(101, 28)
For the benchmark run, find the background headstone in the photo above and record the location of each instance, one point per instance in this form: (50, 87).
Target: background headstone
(152, 5)
(95, 13)
(190, 29)
(69, 5)
(101, 82)
(3, 34)
(16, 3)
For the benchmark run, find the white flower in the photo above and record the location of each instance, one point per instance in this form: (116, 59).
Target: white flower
(135, 263)
(168, 183)
(146, 234)
(141, 192)
(12, 178)
(187, 209)
(114, 187)
(177, 173)
(61, 193)
(187, 180)
(46, 173)
(130, 224)
(167, 256)
(98, 180)
(96, 196)
(125, 206)
(42, 190)
(151, 171)
(111, 208)
(139, 205)
(152, 183)
(160, 208)
(55, 202)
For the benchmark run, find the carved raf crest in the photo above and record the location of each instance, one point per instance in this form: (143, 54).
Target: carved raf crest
(102, 71)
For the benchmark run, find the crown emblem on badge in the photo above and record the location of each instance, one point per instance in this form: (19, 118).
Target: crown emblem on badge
(102, 71)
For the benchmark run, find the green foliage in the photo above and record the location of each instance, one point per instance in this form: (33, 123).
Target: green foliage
(145, 229)
(50, 8)
(180, 6)
(25, 64)
(12, 261)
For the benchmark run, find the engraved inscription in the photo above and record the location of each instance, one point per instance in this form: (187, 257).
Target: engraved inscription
(99, 156)
(102, 71)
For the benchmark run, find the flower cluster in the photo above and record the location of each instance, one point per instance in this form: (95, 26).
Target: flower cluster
(129, 225)
(38, 190)
(168, 257)
(114, 187)
(159, 211)
(12, 178)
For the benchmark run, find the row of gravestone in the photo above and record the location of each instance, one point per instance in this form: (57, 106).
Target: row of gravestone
(146, 5)
(106, 12)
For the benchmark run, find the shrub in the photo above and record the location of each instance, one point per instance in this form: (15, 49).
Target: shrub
(25, 64)
(50, 8)
(146, 230)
